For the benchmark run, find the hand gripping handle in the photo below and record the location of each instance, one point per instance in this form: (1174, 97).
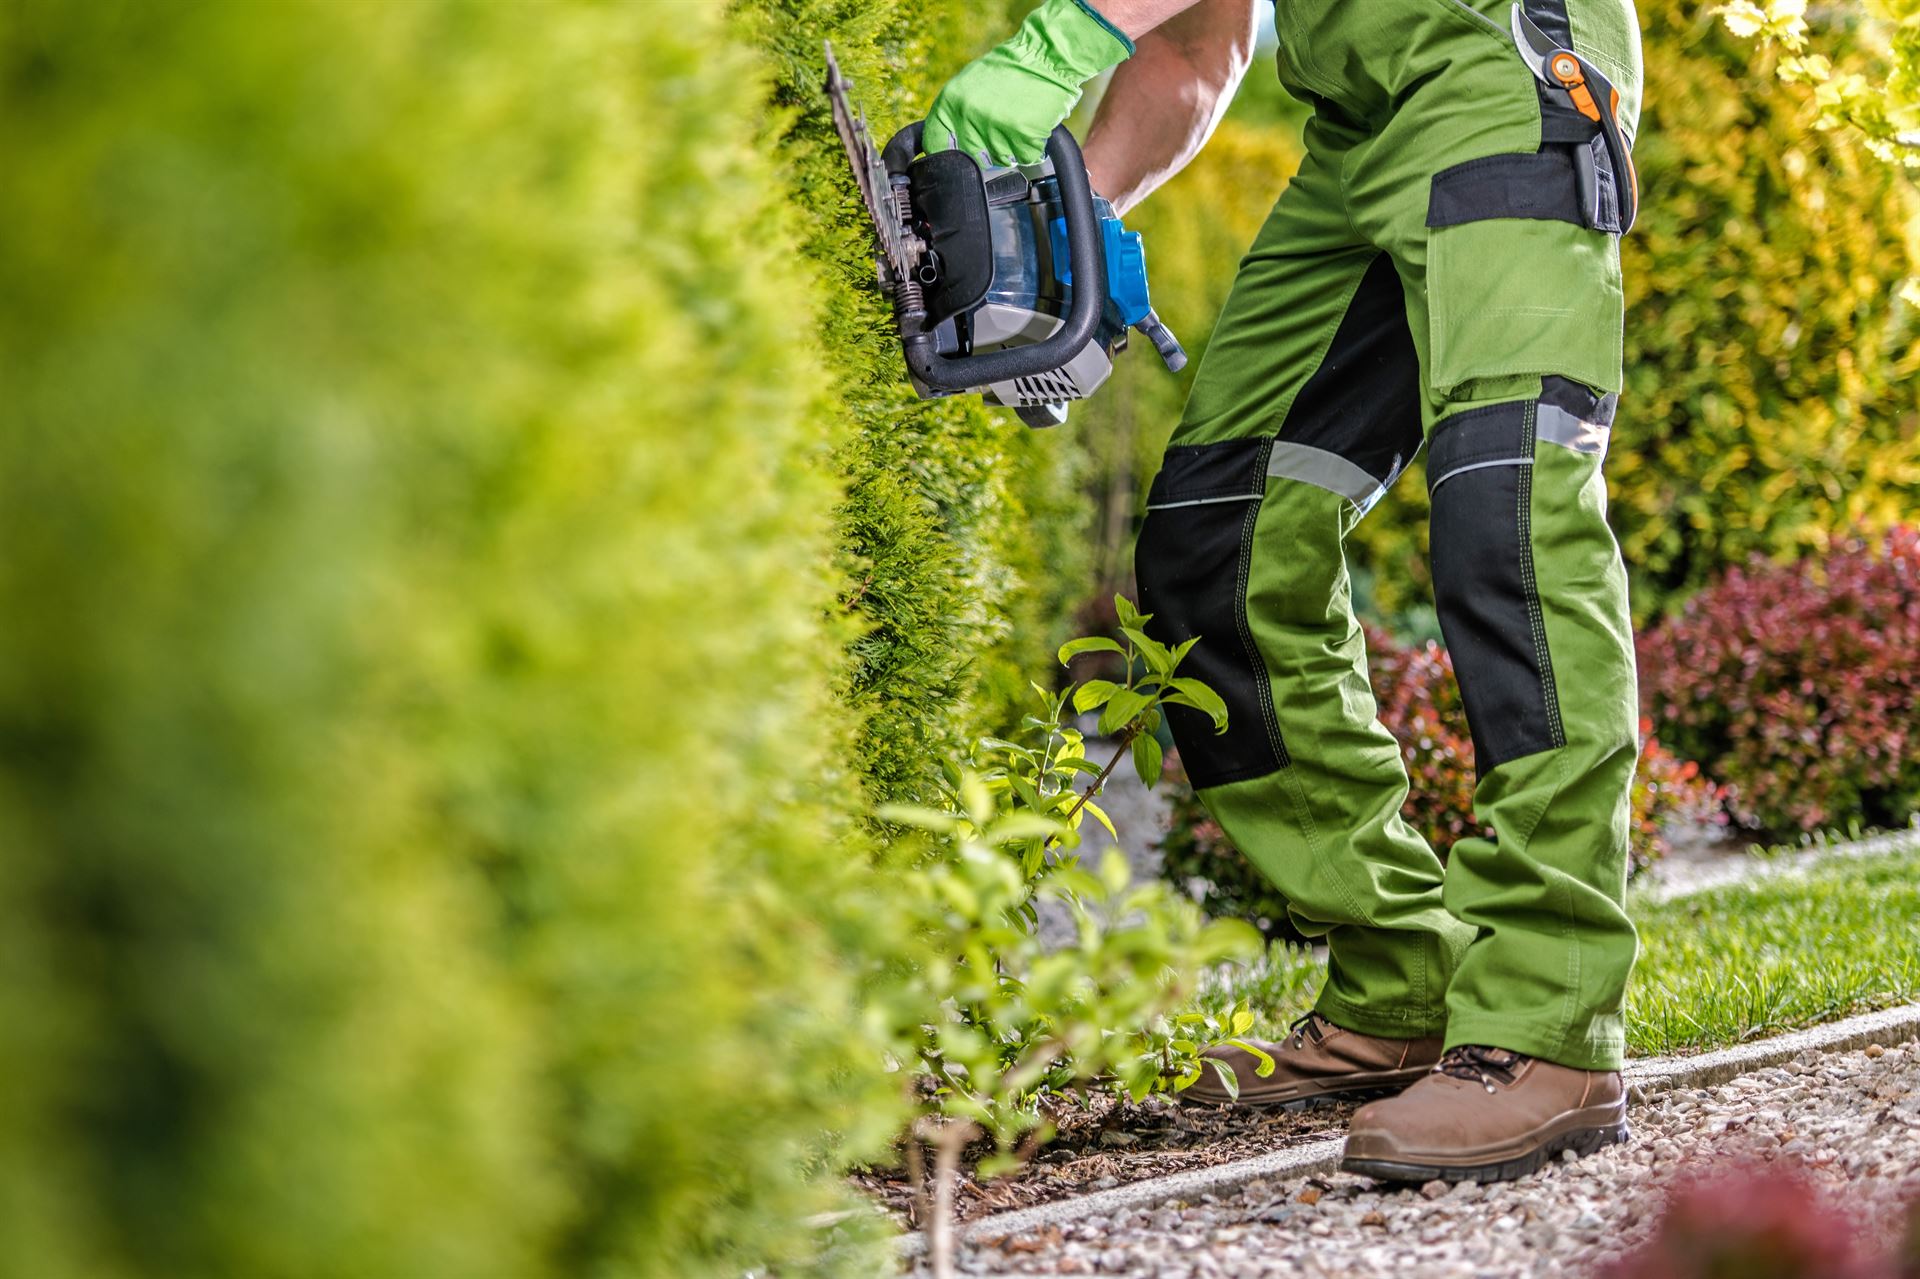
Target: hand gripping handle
(1085, 251)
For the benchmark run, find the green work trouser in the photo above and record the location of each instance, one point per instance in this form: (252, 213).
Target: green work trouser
(1433, 277)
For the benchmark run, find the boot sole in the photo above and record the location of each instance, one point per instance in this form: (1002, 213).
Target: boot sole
(1582, 1141)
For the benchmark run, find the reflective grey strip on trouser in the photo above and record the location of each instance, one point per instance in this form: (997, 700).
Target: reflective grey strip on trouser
(1556, 425)
(1477, 466)
(1552, 425)
(1326, 470)
(1202, 501)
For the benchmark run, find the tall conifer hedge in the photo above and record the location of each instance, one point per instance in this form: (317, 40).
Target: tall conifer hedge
(424, 800)
(961, 531)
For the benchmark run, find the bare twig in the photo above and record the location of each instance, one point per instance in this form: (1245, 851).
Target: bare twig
(948, 1138)
(917, 1178)
(1099, 783)
(854, 598)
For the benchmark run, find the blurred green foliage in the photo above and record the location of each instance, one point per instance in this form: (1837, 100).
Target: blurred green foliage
(419, 789)
(1770, 404)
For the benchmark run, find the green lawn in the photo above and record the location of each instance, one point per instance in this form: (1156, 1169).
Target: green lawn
(1716, 967)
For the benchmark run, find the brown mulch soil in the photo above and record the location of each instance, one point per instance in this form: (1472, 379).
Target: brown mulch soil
(1112, 1141)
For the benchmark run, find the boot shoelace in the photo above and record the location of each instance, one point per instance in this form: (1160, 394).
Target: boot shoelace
(1304, 1026)
(1476, 1063)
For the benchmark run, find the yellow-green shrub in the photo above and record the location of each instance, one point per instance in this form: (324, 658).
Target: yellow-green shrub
(416, 758)
(1770, 404)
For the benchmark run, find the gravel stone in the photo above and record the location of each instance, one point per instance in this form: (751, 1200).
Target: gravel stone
(1852, 1120)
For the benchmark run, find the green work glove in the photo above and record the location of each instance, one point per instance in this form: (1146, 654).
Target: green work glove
(1004, 104)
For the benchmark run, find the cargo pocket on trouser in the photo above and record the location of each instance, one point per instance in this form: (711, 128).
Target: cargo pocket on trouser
(1523, 280)
(1523, 274)
(1192, 561)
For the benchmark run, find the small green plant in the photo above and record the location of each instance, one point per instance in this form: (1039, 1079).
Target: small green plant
(993, 1020)
(1130, 710)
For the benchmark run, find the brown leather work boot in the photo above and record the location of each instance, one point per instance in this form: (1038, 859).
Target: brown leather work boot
(1317, 1063)
(1486, 1114)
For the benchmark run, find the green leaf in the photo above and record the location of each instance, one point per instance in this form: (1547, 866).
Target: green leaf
(1265, 1059)
(923, 818)
(1124, 705)
(1099, 814)
(1242, 1020)
(1088, 644)
(1071, 879)
(1019, 826)
(1124, 609)
(977, 800)
(1151, 649)
(1228, 1080)
(1147, 759)
(1180, 651)
(1094, 692)
(1200, 696)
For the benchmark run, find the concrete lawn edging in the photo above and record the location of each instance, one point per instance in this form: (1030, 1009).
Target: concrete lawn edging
(1645, 1079)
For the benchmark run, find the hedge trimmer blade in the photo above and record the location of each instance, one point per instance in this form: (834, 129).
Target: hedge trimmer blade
(899, 248)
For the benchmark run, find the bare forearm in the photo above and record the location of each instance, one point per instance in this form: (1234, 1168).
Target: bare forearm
(1164, 102)
(1137, 17)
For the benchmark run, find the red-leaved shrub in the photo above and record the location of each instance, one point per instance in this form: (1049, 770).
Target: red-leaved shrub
(1799, 686)
(1420, 704)
(1754, 1221)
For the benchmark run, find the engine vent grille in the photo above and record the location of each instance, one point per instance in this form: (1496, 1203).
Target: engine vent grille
(1045, 388)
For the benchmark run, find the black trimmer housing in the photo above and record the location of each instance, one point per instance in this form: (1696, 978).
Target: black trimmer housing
(981, 265)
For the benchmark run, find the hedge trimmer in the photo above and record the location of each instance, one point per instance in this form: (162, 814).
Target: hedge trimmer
(980, 265)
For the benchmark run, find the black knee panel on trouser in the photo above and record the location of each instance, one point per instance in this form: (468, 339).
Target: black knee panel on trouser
(1480, 478)
(1192, 562)
(1348, 431)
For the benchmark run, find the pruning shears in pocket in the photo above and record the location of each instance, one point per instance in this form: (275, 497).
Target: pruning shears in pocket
(1608, 179)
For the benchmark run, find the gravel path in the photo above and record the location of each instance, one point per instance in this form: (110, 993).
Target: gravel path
(1715, 863)
(1852, 1120)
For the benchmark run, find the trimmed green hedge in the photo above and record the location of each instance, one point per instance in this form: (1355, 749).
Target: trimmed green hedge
(961, 531)
(418, 781)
